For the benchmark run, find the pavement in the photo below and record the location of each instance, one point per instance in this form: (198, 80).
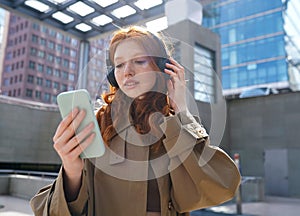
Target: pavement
(271, 206)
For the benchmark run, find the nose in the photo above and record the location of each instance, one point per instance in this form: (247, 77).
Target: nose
(128, 69)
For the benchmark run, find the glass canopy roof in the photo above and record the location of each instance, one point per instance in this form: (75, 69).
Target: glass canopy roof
(88, 18)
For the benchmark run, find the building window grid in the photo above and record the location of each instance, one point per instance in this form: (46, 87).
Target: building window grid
(38, 39)
(265, 24)
(204, 89)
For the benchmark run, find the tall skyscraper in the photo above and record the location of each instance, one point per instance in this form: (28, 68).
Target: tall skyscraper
(39, 61)
(3, 33)
(260, 43)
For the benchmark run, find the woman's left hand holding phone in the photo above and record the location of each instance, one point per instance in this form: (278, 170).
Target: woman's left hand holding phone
(69, 146)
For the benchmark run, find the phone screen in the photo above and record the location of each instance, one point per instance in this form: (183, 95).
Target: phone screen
(67, 101)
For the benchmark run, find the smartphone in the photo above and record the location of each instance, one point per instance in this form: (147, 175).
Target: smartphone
(80, 98)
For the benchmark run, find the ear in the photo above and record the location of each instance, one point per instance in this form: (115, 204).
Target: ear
(111, 78)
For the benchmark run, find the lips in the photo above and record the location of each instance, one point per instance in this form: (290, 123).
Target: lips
(131, 83)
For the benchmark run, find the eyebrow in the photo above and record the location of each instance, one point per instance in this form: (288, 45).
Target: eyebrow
(133, 57)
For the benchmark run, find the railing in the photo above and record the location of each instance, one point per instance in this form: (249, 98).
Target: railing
(28, 173)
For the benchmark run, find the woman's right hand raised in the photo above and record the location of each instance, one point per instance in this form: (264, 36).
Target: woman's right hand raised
(70, 145)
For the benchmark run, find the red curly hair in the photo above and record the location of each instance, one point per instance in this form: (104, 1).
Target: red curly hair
(139, 110)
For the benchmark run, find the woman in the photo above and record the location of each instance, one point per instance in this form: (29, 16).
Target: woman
(158, 160)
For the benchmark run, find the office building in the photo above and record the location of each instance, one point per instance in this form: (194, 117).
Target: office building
(3, 33)
(260, 43)
(39, 61)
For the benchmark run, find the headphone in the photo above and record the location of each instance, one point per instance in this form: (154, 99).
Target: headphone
(160, 62)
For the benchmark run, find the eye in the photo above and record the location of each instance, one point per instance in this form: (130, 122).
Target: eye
(141, 61)
(119, 65)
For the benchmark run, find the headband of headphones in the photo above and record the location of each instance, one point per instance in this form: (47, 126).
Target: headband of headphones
(159, 60)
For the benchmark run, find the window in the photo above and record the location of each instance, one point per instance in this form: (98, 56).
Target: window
(28, 92)
(41, 54)
(59, 36)
(50, 57)
(203, 74)
(64, 75)
(34, 38)
(73, 53)
(74, 42)
(67, 51)
(68, 39)
(8, 56)
(64, 87)
(57, 60)
(52, 33)
(72, 65)
(40, 68)
(44, 29)
(49, 70)
(56, 73)
(47, 97)
(54, 99)
(48, 83)
(66, 63)
(39, 81)
(38, 94)
(43, 42)
(71, 77)
(56, 85)
(20, 77)
(33, 51)
(7, 68)
(70, 88)
(30, 78)
(6, 82)
(36, 26)
(58, 47)
(32, 65)
(51, 44)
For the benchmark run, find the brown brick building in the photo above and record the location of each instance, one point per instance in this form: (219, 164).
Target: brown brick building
(39, 61)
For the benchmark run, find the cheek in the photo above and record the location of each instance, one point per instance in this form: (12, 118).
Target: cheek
(119, 77)
(150, 79)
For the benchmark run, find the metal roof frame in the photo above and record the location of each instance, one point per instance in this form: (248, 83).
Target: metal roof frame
(19, 6)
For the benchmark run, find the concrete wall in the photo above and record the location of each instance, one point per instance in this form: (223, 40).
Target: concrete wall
(258, 125)
(26, 131)
(22, 186)
(254, 126)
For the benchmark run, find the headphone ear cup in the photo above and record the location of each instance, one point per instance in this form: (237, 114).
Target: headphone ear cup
(161, 63)
(111, 78)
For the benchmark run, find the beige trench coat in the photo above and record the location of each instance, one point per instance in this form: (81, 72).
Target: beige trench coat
(191, 175)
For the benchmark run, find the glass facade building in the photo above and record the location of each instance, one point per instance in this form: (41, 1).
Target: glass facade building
(259, 42)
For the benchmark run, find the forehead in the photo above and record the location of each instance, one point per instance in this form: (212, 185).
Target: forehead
(129, 48)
